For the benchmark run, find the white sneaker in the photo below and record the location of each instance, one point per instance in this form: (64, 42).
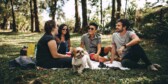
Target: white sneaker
(157, 66)
(152, 68)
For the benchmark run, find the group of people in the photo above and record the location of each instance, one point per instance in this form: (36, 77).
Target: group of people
(53, 45)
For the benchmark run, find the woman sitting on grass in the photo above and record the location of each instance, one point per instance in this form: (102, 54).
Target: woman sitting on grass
(63, 39)
(47, 55)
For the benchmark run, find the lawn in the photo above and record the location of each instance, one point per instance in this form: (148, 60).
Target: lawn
(11, 43)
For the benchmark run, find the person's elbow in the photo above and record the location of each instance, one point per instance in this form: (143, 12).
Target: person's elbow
(138, 40)
(55, 55)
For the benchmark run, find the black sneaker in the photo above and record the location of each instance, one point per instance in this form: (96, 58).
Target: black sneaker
(102, 65)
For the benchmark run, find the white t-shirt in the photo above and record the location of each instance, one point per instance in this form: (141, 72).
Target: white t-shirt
(119, 40)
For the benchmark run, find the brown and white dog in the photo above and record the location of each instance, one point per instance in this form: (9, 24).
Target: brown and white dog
(80, 60)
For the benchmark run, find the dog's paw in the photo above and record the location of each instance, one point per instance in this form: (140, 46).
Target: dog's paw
(80, 72)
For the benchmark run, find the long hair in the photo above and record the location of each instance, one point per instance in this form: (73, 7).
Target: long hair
(67, 35)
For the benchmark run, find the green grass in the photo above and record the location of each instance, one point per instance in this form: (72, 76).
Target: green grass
(11, 43)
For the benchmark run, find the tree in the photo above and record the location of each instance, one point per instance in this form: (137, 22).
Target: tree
(113, 14)
(118, 9)
(53, 8)
(84, 15)
(101, 12)
(125, 16)
(37, 29)
(13, 17)
(32, 16)
(77, 18)
(5, 12)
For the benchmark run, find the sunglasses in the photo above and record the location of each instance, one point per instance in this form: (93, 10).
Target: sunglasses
(90, 28)
(65, 29)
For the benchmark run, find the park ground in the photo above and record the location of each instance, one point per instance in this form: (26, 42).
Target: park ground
(11, 43)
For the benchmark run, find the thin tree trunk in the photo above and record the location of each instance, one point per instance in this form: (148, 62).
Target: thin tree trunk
(125, 9)
(84, 16)
(77, 18)
(101, 12)
(118, 9)
(53, 9)
(113, 14)
(32, 16)
(4, 22)
(37, 29)
(13, 16)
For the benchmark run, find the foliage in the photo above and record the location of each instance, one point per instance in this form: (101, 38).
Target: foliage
(70, 23)
(131, 12)
(5, 13)
(55, 7)
(155, 25)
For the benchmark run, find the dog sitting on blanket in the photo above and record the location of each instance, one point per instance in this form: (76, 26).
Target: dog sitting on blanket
(80, 59)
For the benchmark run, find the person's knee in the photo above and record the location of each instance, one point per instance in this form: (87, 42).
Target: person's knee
(107, 48)
(136, 47)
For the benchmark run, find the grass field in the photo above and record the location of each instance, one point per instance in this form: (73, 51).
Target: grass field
(11, 43)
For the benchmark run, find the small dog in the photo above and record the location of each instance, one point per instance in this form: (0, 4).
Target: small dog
(80, 59)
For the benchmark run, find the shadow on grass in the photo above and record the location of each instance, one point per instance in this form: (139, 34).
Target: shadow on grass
(26, 34)
(75, 35)
(157, 53)
(7, 49)
(27, 43)
(9, 33)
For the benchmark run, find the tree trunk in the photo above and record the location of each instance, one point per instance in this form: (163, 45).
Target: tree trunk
(53, 9)
(113, 15)
(118, 9)
(13, 16)
(4, 22)
(84, 16)
(32, 16)
(125, 9)
(37, 29)
(101, 12)
(77, 18)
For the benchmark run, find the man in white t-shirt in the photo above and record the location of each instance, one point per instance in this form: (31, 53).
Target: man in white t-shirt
(125, 44)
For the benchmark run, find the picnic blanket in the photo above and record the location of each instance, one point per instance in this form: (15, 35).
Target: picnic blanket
(115, 64)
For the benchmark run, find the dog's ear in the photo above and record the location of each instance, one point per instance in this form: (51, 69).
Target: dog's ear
(73, 52)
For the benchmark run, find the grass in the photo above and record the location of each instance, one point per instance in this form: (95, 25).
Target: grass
(11, 43)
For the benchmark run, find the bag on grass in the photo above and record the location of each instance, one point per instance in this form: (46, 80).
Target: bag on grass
(23, 62)
(26, 60)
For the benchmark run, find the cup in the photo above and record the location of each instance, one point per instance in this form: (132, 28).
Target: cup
(68, 53)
